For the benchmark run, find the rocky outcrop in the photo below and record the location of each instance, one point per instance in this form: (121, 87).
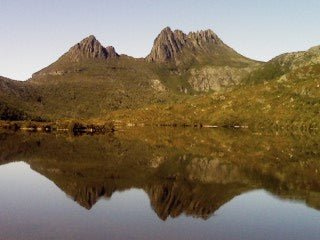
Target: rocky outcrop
(90, 48)
(111, 52)
(201, 39)
(169, 44)
(216, 78)
(157, 85)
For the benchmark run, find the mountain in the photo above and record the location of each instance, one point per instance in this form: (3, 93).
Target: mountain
(186, 79)
(91, 80)
(200, 59)
(88, 49)
(179, 48)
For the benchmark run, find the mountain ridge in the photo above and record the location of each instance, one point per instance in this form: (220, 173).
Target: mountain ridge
(93, 81)
(169, 44)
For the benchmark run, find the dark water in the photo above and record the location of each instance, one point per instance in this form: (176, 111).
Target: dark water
(160, 184)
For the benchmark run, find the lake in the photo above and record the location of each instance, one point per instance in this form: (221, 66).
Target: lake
(160, 183)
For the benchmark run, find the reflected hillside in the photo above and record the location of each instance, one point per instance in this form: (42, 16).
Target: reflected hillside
(184, 171)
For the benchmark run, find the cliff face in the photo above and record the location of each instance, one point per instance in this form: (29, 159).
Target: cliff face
(167, 45)
(216, 78)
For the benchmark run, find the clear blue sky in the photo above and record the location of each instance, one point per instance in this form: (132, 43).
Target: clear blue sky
(34, 33)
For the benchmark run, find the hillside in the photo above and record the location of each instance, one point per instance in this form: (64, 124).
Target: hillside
(14, 96)
(91, 80)
(285, 92)
(299, 63)
(95, 88)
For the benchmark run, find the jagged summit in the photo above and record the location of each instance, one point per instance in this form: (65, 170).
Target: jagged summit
(202, 37)
(169, 44)
(88, 48)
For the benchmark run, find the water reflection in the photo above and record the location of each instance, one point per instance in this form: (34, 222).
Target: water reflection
(184, 171)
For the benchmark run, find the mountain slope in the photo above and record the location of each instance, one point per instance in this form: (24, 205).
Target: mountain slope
(287, 63)
(91, 80)
(87, 50)
(14, 98)
(284, 93)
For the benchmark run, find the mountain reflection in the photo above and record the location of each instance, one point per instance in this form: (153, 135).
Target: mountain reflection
(183, 171)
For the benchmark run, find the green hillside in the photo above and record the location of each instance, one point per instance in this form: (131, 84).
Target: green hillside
(284, 92)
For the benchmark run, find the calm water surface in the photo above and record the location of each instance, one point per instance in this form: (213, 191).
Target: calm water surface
(159, 184)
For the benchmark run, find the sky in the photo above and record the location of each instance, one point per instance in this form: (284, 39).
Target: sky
(35, 33)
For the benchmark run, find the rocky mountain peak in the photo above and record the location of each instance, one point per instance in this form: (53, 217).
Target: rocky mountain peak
(166, 30)
(169, 44)
(90, 48)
